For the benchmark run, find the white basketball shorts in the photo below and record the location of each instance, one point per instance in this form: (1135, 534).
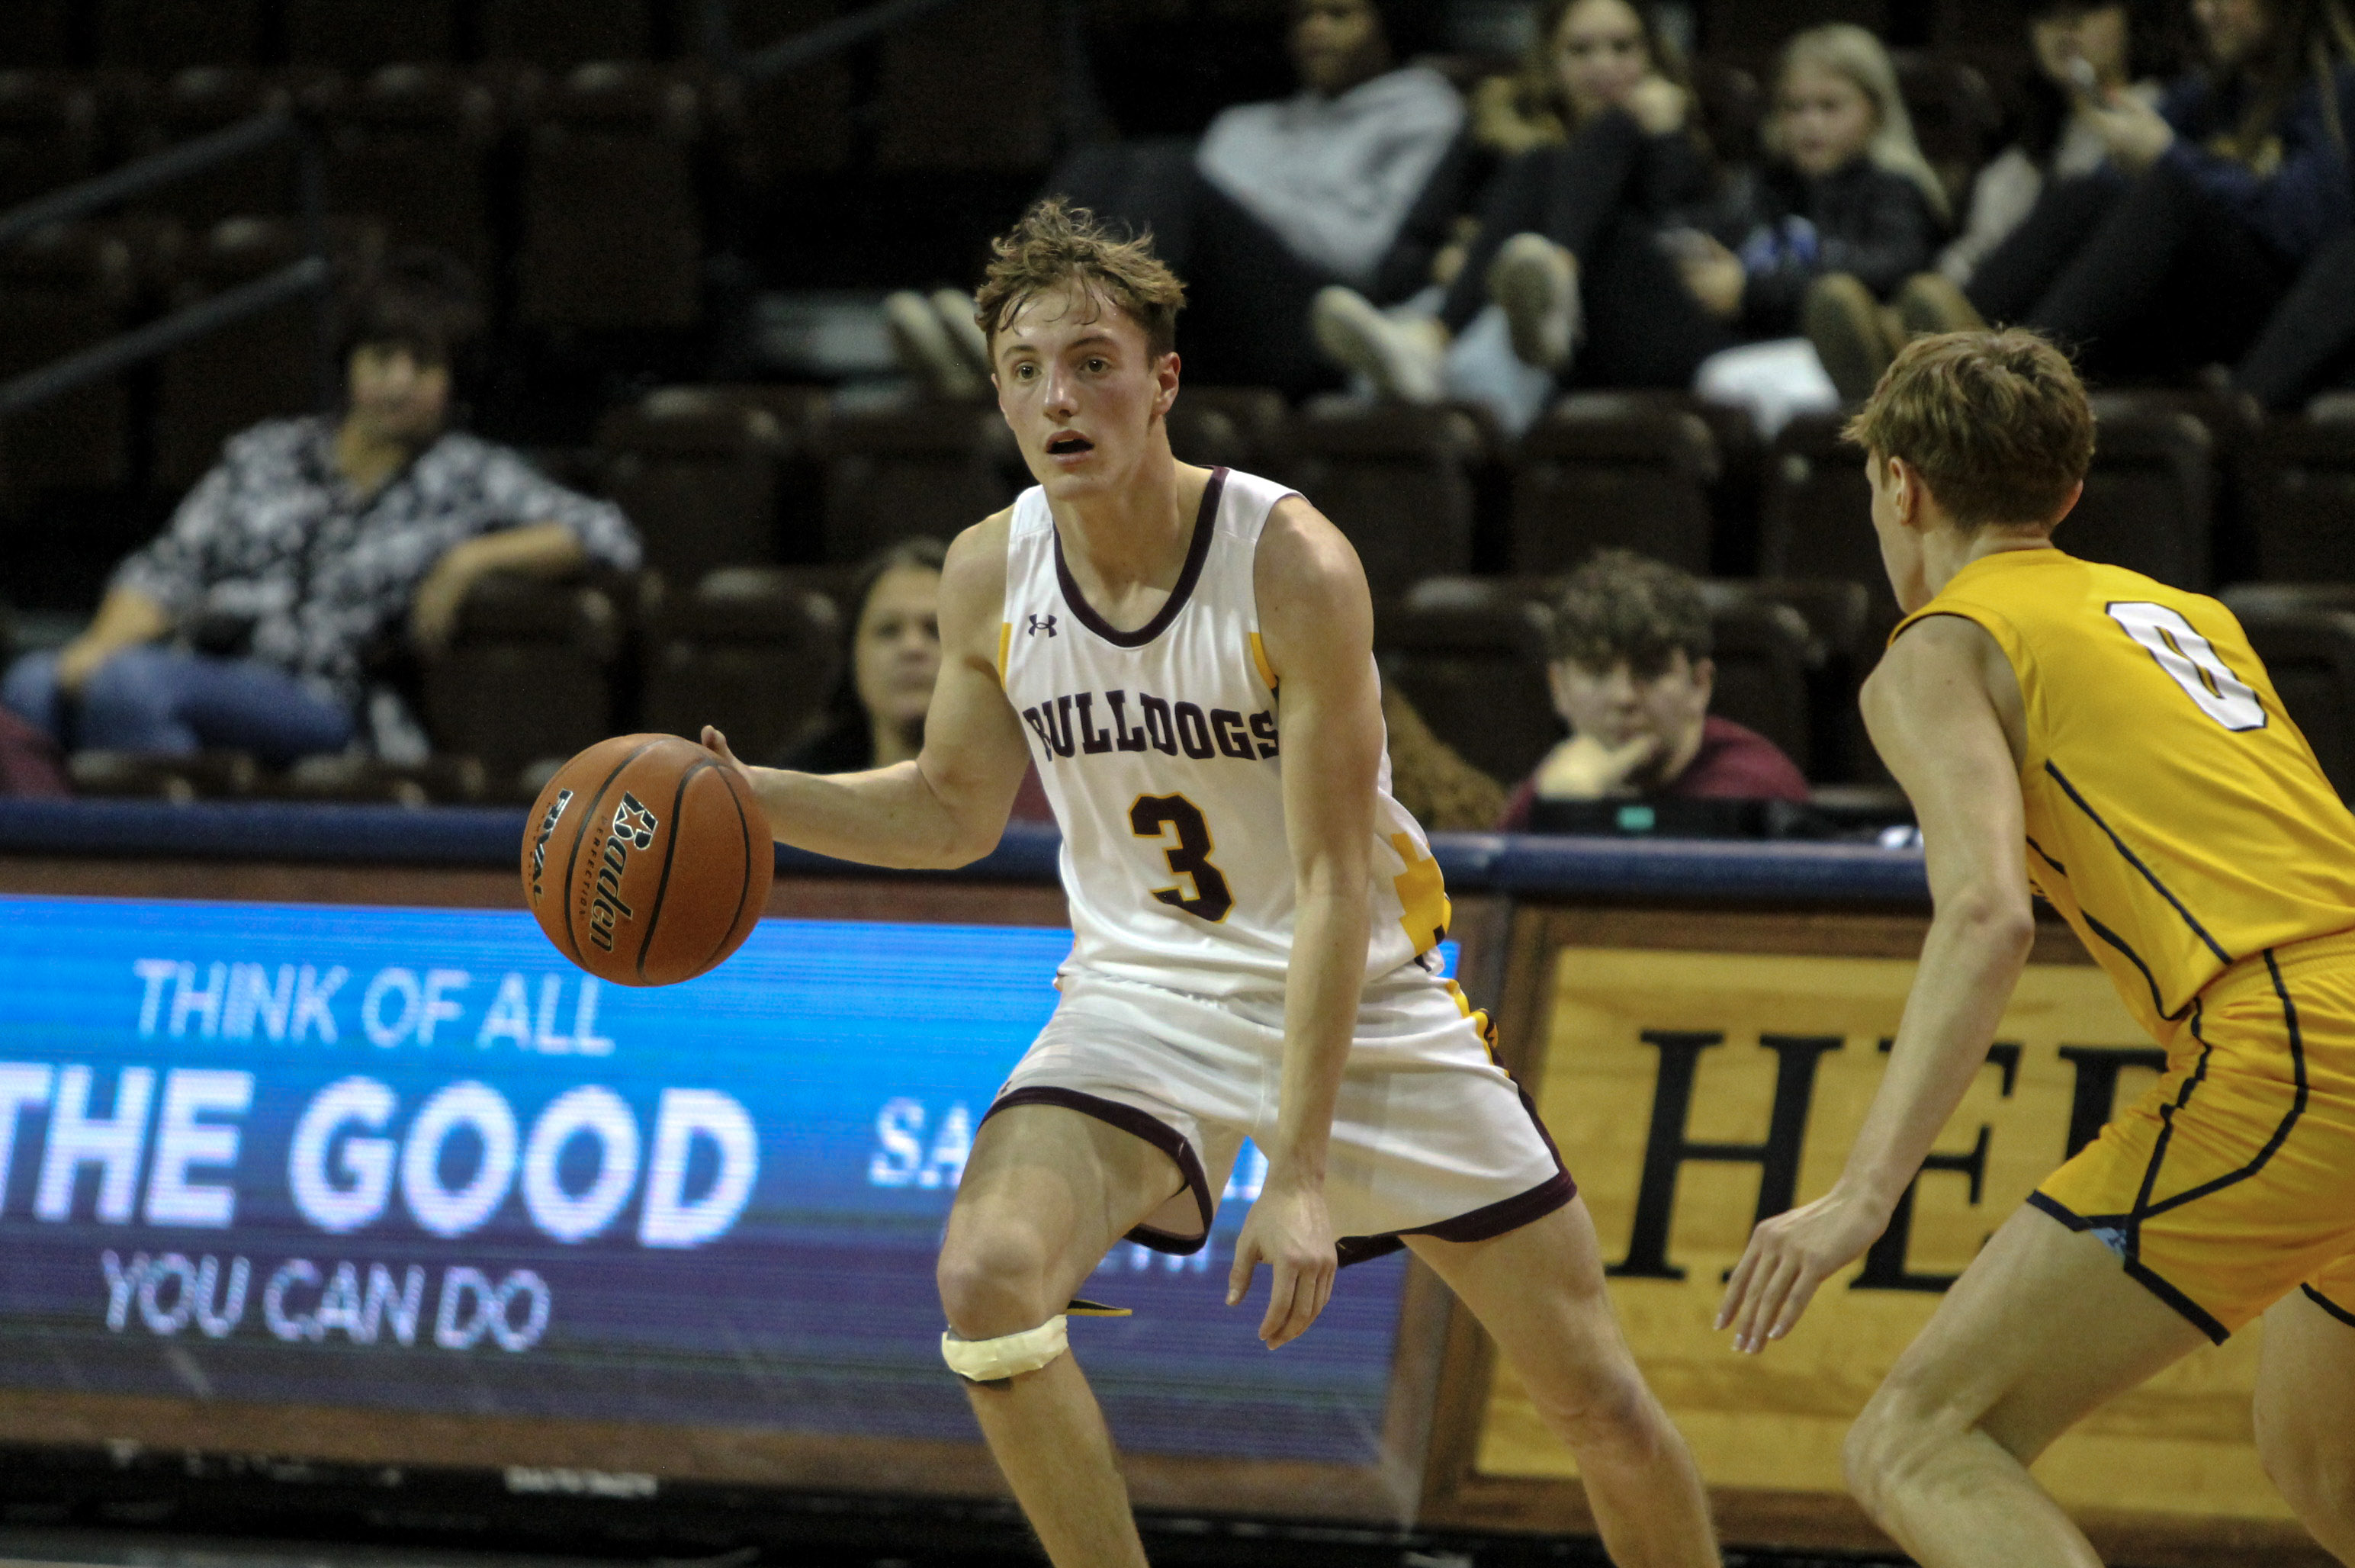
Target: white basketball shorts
(1430, 1135)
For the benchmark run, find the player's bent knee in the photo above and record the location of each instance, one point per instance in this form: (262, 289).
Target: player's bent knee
(1610, 1415)
(2312, 1477)
(1892, 1443)
(992, 1281)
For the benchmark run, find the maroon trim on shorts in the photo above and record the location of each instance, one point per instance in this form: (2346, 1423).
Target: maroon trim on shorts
(1490, 1220)
(2329, 1306)
(1140, 1123)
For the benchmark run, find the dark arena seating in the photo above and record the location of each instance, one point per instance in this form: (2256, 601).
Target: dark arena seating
(354, 1223)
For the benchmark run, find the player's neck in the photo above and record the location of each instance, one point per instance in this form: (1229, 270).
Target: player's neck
(1135, 535)
(1946, 550)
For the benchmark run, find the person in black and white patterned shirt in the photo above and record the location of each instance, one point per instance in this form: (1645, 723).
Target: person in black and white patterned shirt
(248, 621)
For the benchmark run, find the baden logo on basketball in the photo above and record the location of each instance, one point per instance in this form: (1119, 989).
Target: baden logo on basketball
(634, 826)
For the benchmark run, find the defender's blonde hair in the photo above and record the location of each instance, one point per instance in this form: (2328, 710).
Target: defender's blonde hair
(1996, 422)
(1058, 246)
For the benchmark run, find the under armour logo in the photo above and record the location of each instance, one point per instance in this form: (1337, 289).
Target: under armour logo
(1041, 624)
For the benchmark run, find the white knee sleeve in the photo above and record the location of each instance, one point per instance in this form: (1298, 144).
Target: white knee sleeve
(1011, 1355)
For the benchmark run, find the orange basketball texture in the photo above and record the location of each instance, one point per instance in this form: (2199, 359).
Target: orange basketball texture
(647, 859)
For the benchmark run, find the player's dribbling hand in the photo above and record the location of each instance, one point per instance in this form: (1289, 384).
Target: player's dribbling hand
(716, 744)
(1788, 1257)
(1287, 1229)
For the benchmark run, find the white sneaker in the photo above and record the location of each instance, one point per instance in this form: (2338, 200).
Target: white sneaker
(922, 342)
(1402, 359)
(1536, 282)
(955, 310)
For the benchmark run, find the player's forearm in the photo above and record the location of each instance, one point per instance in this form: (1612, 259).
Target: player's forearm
(1322, 990)
(1970, 963)
(887, 816)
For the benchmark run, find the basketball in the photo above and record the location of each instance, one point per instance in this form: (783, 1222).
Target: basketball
(647, 860)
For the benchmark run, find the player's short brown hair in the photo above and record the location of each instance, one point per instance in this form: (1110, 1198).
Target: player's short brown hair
(1996, 422)
(1059, 246)
(1625, 606)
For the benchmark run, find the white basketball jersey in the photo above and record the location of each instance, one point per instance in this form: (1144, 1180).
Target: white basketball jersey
(1161, 749)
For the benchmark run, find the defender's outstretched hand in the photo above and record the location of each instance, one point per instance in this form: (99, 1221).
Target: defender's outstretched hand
(1287, 1229)
(1790, 1255)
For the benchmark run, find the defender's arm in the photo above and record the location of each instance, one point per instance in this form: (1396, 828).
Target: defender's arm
(1934, 710)
(1316, 622)
(949, 806)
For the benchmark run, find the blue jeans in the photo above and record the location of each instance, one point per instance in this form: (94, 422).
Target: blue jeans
(153, 698)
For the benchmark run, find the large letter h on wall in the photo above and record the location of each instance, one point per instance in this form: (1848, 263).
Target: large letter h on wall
(1668, 1148)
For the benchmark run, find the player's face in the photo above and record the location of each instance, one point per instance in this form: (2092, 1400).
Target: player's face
(395, 394)
(896, 653)
(1618, 704)
(1599, 54)
(1337, 44)
(2233, 30)
(1826, 119)
(1900, 541)
(1081, 391)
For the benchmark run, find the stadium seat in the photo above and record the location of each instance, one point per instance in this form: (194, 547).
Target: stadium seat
(2148, 502)
(932, 469)
(2308, 644)
(265, 365)
(1765, 657)
(1471, 658)
(361, 35)
(525, 677)
(205, 99)
(1816, 514)
(755, 650)
(172, 34)
(800, 123)
(968, 90)
(410, 150)
(67, 288)
(342, 776)
(1239, 427)
(2298, 499)
(565, 32)
(698, 478)
(147, 776)
(1401, 481)
(1607, 470)
(48, 133)
(39, 35)
(800, 413)
(1842, 643)
(611, 228)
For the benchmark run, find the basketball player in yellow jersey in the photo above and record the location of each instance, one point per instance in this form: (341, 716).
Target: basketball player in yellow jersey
(2125, 735)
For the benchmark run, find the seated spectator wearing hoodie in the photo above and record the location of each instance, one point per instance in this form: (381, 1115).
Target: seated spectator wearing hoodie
(1632, 678)
(1355, 180)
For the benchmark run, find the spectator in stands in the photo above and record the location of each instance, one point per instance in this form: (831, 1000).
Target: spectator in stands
(1610, 158)
(892, 663)
(257, 620)
(895, 658)
(1353, 181)
(1846, 191)
(2086, 52)
(1631, 677)
(2238, 182)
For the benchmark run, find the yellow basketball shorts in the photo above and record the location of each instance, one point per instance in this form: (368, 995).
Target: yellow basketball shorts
(2232, 1182)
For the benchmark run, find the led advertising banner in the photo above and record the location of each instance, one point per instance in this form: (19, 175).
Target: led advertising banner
(412, 1159)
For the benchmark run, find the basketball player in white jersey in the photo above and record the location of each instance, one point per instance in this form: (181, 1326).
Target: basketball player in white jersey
(1187, 656)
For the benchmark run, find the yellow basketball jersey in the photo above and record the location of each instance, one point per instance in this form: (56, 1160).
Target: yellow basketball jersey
(2176, 818)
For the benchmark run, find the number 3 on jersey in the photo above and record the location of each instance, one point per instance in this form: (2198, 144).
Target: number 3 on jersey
(2191, 661)
(1151, 818)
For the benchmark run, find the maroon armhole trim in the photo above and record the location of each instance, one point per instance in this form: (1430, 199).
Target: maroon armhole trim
(1140, 1123)
(1491, 1220)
